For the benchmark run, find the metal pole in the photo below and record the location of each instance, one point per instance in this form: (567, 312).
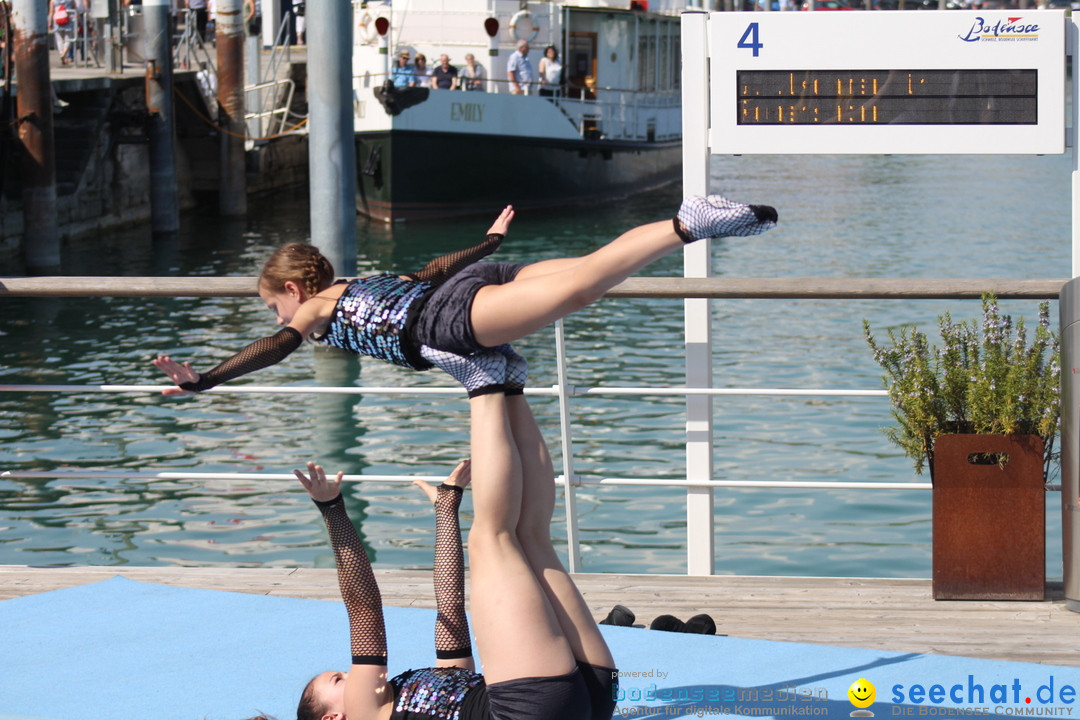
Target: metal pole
(41, 234)
(253, 99)
(331, 143)
(111, 42)
(232, 192)
(573, 541)
(272, 12)
(99, 14)
(164, 190)
(1072, 49)
(699, 418)
(1069, 310)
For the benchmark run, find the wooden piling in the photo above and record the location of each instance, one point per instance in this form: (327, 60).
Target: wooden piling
(34, 109)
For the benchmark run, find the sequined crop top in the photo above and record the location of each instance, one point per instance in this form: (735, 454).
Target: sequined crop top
(374, 317)
(439, 694)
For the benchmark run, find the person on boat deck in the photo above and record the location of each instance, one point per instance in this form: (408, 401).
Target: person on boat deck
(403, 75)
(551, 73)
(544, 657)
(455, 306)
(473, 75)
(520, 70)
(423, 72)
(444, 76)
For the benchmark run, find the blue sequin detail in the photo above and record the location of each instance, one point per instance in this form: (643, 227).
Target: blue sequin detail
(371, 315)
(430, 693)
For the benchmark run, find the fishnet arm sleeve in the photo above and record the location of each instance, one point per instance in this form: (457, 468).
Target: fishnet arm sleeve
(443, 268)
(451, 625)
(256, 356)
(359, 590)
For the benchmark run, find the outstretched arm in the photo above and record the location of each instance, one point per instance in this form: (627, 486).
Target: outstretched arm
(363, 602)
(256, 356)
(453, 647)
(443, 268)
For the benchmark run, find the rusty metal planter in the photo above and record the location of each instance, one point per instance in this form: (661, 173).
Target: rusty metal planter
(989, 520)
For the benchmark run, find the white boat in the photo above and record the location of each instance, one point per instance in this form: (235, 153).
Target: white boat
(612, 129)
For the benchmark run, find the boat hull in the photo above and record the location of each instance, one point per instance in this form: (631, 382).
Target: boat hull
(424, 175)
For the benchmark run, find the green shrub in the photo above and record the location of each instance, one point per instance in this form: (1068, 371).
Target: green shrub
(984, 378)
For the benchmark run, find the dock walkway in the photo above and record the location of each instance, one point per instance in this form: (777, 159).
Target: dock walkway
(887, 614)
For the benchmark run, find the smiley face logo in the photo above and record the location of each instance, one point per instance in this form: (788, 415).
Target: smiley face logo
(862, 693)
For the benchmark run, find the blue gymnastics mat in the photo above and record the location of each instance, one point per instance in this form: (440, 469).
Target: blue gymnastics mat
(121, 649)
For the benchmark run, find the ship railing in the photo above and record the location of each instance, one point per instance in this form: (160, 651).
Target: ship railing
(601, 113)
(699, 490)
(272, 102)
(613, 113)
(83, 43)
(189, 50)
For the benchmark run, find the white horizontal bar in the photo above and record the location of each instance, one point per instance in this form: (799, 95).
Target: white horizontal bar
(573, 390)
(239, 389)
(181, 475)
(793, 392)
(657, 482)
(561, 480)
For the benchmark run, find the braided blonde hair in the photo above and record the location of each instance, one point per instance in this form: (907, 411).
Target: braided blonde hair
(298, 263)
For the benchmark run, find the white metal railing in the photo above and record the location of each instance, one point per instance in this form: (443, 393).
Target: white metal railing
(268, 106)
(189, 49)
(699, 485)
(624, 114)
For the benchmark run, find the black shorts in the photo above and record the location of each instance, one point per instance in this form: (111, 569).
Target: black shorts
(444, 321)
(583, 694)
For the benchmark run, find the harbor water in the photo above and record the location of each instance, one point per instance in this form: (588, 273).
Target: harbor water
(840, 216)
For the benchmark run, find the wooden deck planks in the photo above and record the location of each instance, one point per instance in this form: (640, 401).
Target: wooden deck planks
(896, 615)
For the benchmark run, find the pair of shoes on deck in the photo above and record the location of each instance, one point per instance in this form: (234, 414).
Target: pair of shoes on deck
(699, 624)
(716, 217)
(620, 615)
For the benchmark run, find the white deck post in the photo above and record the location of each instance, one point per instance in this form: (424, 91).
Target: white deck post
(573, 546)
(1072, 133)
(696, 264)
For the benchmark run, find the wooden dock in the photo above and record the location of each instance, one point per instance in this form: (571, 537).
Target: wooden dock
(896, 615)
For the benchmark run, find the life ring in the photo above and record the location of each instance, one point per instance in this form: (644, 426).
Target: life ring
(523, 14)
(367, 29)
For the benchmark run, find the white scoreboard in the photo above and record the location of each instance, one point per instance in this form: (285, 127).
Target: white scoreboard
(942, 81)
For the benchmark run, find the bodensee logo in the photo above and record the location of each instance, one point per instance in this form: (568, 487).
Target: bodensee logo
(1008, 29)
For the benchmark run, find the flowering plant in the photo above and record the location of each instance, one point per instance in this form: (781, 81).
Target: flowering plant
(981, 380)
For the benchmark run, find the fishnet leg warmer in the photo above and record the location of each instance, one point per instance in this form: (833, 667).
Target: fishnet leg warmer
(716, 217)
(359, 590)
(443, 268)
(480, 373)
(517, 370)
(451, 625)
(256, 356)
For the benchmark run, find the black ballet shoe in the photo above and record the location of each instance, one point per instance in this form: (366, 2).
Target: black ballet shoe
(619, 615)
(668, 623)
(701, 624)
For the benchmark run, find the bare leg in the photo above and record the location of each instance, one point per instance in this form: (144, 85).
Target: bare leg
(516, 629)
(546, 267)
(552, 289)
(534, 534)
(537, 298)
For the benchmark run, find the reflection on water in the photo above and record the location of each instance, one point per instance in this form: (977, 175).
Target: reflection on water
(840, 217)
